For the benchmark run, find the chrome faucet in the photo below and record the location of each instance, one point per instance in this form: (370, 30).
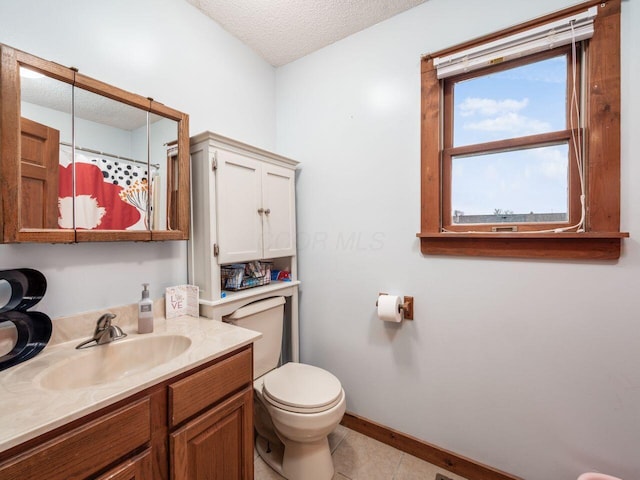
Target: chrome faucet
(104, 332)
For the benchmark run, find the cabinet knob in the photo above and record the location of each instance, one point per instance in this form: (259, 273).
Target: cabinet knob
(261, 211)
(267, 211)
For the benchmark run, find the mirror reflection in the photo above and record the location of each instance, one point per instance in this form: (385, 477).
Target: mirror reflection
(112, 172)
(46, 122)
(163, 151)
(122, 173)
(87, 161)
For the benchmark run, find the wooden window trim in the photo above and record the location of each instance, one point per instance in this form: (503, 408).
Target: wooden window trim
(602, 238)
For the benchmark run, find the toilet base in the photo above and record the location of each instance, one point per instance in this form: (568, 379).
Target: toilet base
(270, 452)
(298, 461)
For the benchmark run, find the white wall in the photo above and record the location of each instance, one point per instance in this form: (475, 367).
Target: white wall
(165, 49)
(530, 366)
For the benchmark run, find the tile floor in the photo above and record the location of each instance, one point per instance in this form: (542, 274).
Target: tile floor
(358, 457)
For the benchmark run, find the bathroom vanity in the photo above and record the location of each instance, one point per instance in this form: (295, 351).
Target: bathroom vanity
(189, 416)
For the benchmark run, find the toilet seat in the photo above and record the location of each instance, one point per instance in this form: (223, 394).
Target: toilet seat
(301, 388)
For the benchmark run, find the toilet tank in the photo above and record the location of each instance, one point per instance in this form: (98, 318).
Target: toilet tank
(266, 317)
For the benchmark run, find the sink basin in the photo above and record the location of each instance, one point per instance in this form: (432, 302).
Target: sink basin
(112, 361)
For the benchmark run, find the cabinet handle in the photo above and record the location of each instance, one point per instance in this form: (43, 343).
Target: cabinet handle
(267, 211)
(261, 211)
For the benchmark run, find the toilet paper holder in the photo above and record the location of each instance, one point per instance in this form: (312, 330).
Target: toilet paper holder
(406, 307)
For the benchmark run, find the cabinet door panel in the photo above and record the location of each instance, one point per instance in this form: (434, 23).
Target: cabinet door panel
(218, 444)
(278, 199)
(239, 199)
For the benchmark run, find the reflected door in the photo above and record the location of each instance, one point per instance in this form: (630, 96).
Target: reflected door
(39, 174)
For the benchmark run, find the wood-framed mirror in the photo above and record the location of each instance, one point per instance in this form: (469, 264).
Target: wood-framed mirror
(84, 161)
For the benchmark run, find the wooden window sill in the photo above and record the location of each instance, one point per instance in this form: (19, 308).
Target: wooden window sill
(584, 246)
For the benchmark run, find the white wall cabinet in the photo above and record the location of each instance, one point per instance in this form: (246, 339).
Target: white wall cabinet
(243, 206)
(255, 208)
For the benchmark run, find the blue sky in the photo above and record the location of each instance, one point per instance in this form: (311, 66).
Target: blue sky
(521, 101)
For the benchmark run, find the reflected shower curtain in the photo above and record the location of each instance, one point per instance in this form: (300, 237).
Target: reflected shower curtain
(110, 194)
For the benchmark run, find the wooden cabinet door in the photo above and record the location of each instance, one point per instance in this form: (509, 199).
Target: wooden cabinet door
(39, 175)
(137, 468)
(279, 220)
(239, 222)
(217, 445)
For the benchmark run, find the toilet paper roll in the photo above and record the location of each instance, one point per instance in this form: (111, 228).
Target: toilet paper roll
(389, 308)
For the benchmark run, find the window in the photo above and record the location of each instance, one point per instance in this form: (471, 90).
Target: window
(509, 160)
(520, 151)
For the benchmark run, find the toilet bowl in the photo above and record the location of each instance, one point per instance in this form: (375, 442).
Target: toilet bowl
(296, 405)
(303, 404)
(597, 476)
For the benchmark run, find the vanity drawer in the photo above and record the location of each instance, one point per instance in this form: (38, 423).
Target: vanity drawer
(200, 390)
(87, 449)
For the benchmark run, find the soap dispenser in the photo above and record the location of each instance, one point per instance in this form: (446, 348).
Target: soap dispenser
(145, 311)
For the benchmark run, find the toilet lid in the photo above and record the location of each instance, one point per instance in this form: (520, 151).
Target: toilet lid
(301, 388)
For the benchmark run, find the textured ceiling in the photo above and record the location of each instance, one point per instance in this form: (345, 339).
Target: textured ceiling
(56, 95)
(284, 30)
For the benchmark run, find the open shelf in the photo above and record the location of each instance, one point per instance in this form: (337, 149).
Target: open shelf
(231, 296)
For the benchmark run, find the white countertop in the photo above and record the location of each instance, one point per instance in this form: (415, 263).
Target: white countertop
(29, 410)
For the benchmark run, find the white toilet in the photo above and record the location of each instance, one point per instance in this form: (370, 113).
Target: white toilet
(296, 405)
